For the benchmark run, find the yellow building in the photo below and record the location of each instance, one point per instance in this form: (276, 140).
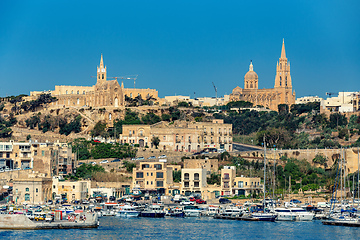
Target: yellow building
(181, 135)
(71, 191)
(270, 98)
(153, 177)
(32, 190)
(232, 185)
(105, 93)
(211, 165)
(193, 181)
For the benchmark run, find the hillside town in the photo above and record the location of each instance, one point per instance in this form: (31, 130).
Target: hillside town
(107, 144)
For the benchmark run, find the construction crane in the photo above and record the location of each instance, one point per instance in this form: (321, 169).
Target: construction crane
(131, 77)
(215, 92)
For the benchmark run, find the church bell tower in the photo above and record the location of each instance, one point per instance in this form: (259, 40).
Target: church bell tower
(283, 78)
(101, 72)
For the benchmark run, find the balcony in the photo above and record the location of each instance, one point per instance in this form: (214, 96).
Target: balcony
(186, 179)
(225, 134)
(205, 141)
(226, 187)
(196, 179)
(220, 133)
(225, 141)
(212, 133)
(205, 133)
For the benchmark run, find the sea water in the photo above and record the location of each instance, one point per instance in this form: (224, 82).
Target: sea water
(191, 228)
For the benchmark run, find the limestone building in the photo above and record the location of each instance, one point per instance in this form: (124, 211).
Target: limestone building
(282, 92)
(153, 177)
(32, 190)
(181, 135)
(193, 181)
(105, 93)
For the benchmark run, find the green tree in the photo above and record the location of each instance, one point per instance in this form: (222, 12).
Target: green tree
(177, 176)
(99, 129)
(129, 166)
(150, 118)
(320, 159)
(155, 141)
(214, 179)
(86, 171)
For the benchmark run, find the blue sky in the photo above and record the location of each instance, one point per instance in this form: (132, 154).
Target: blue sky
(179, 47)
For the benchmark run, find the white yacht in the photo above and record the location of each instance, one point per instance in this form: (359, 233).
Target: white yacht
(285, 214)
(212, 211)
(192, 211)
(127, 211)
(293, 214)
(231, 212)
(302, 214)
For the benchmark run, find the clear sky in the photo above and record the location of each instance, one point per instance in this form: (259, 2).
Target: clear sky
(179, 47)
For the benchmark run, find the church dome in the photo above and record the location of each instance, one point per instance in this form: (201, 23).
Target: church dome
(251, 75)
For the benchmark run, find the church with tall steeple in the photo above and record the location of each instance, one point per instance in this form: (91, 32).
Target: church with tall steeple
(105, 93)
(270, 98)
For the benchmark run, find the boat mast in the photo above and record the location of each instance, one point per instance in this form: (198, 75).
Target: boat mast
(341, 175)
(264, 172)
(358, 178)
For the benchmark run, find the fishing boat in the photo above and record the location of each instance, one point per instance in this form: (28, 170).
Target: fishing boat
(153, 211)
(176, 212)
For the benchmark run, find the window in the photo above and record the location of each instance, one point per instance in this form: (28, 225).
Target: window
(16, 191)
(147, 182)
(139, 175)
(62, 186)
(158, 166)
(72, 92)
(7, 155)
(151, 183)
(196, 184)
(280, 80)
(73, 186)
(42, 153)
(78, 92)
(37, 190)
(151, 174)
(102, 76)
(159, 183)
(147, 174)
(196, 176)
(186, 184)
(159, 175)
(83, 92)
(27, 189)
(186, 176)
(66, 91)
(27, 197)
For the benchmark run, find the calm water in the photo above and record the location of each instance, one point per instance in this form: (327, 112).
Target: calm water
(192, 228)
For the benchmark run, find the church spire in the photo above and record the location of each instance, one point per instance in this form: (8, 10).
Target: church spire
(101, 61)
(283, 54)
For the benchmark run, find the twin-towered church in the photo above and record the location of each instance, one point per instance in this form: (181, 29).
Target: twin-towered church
(270, 98)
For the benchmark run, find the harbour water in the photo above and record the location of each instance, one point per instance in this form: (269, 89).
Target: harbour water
(192, 228)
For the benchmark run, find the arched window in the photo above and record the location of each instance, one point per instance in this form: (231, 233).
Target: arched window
(102, 76)
(27, 197)
(78, 92)
(27, 189)
(83, 92)
(280, 65)
(77, 101)
(196, 176)
(286, 81)
(72, 92)
(280, 81)
(109, 116)
(186, 176)
(66, 91)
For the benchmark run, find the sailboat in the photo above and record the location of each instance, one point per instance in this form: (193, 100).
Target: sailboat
(264, 216)
(341, 219)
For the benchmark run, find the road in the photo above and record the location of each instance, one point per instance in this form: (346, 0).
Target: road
(243, 147)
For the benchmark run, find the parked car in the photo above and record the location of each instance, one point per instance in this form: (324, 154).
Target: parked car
(295, 201)
(192, 199)
(93, 163)
(97, 141)
(116, 160)
(162, 156)
(224, 200)
(104, 161)
(152, 157)
(140, 158)
(80, 163)
(200, 201)
(187, 203)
